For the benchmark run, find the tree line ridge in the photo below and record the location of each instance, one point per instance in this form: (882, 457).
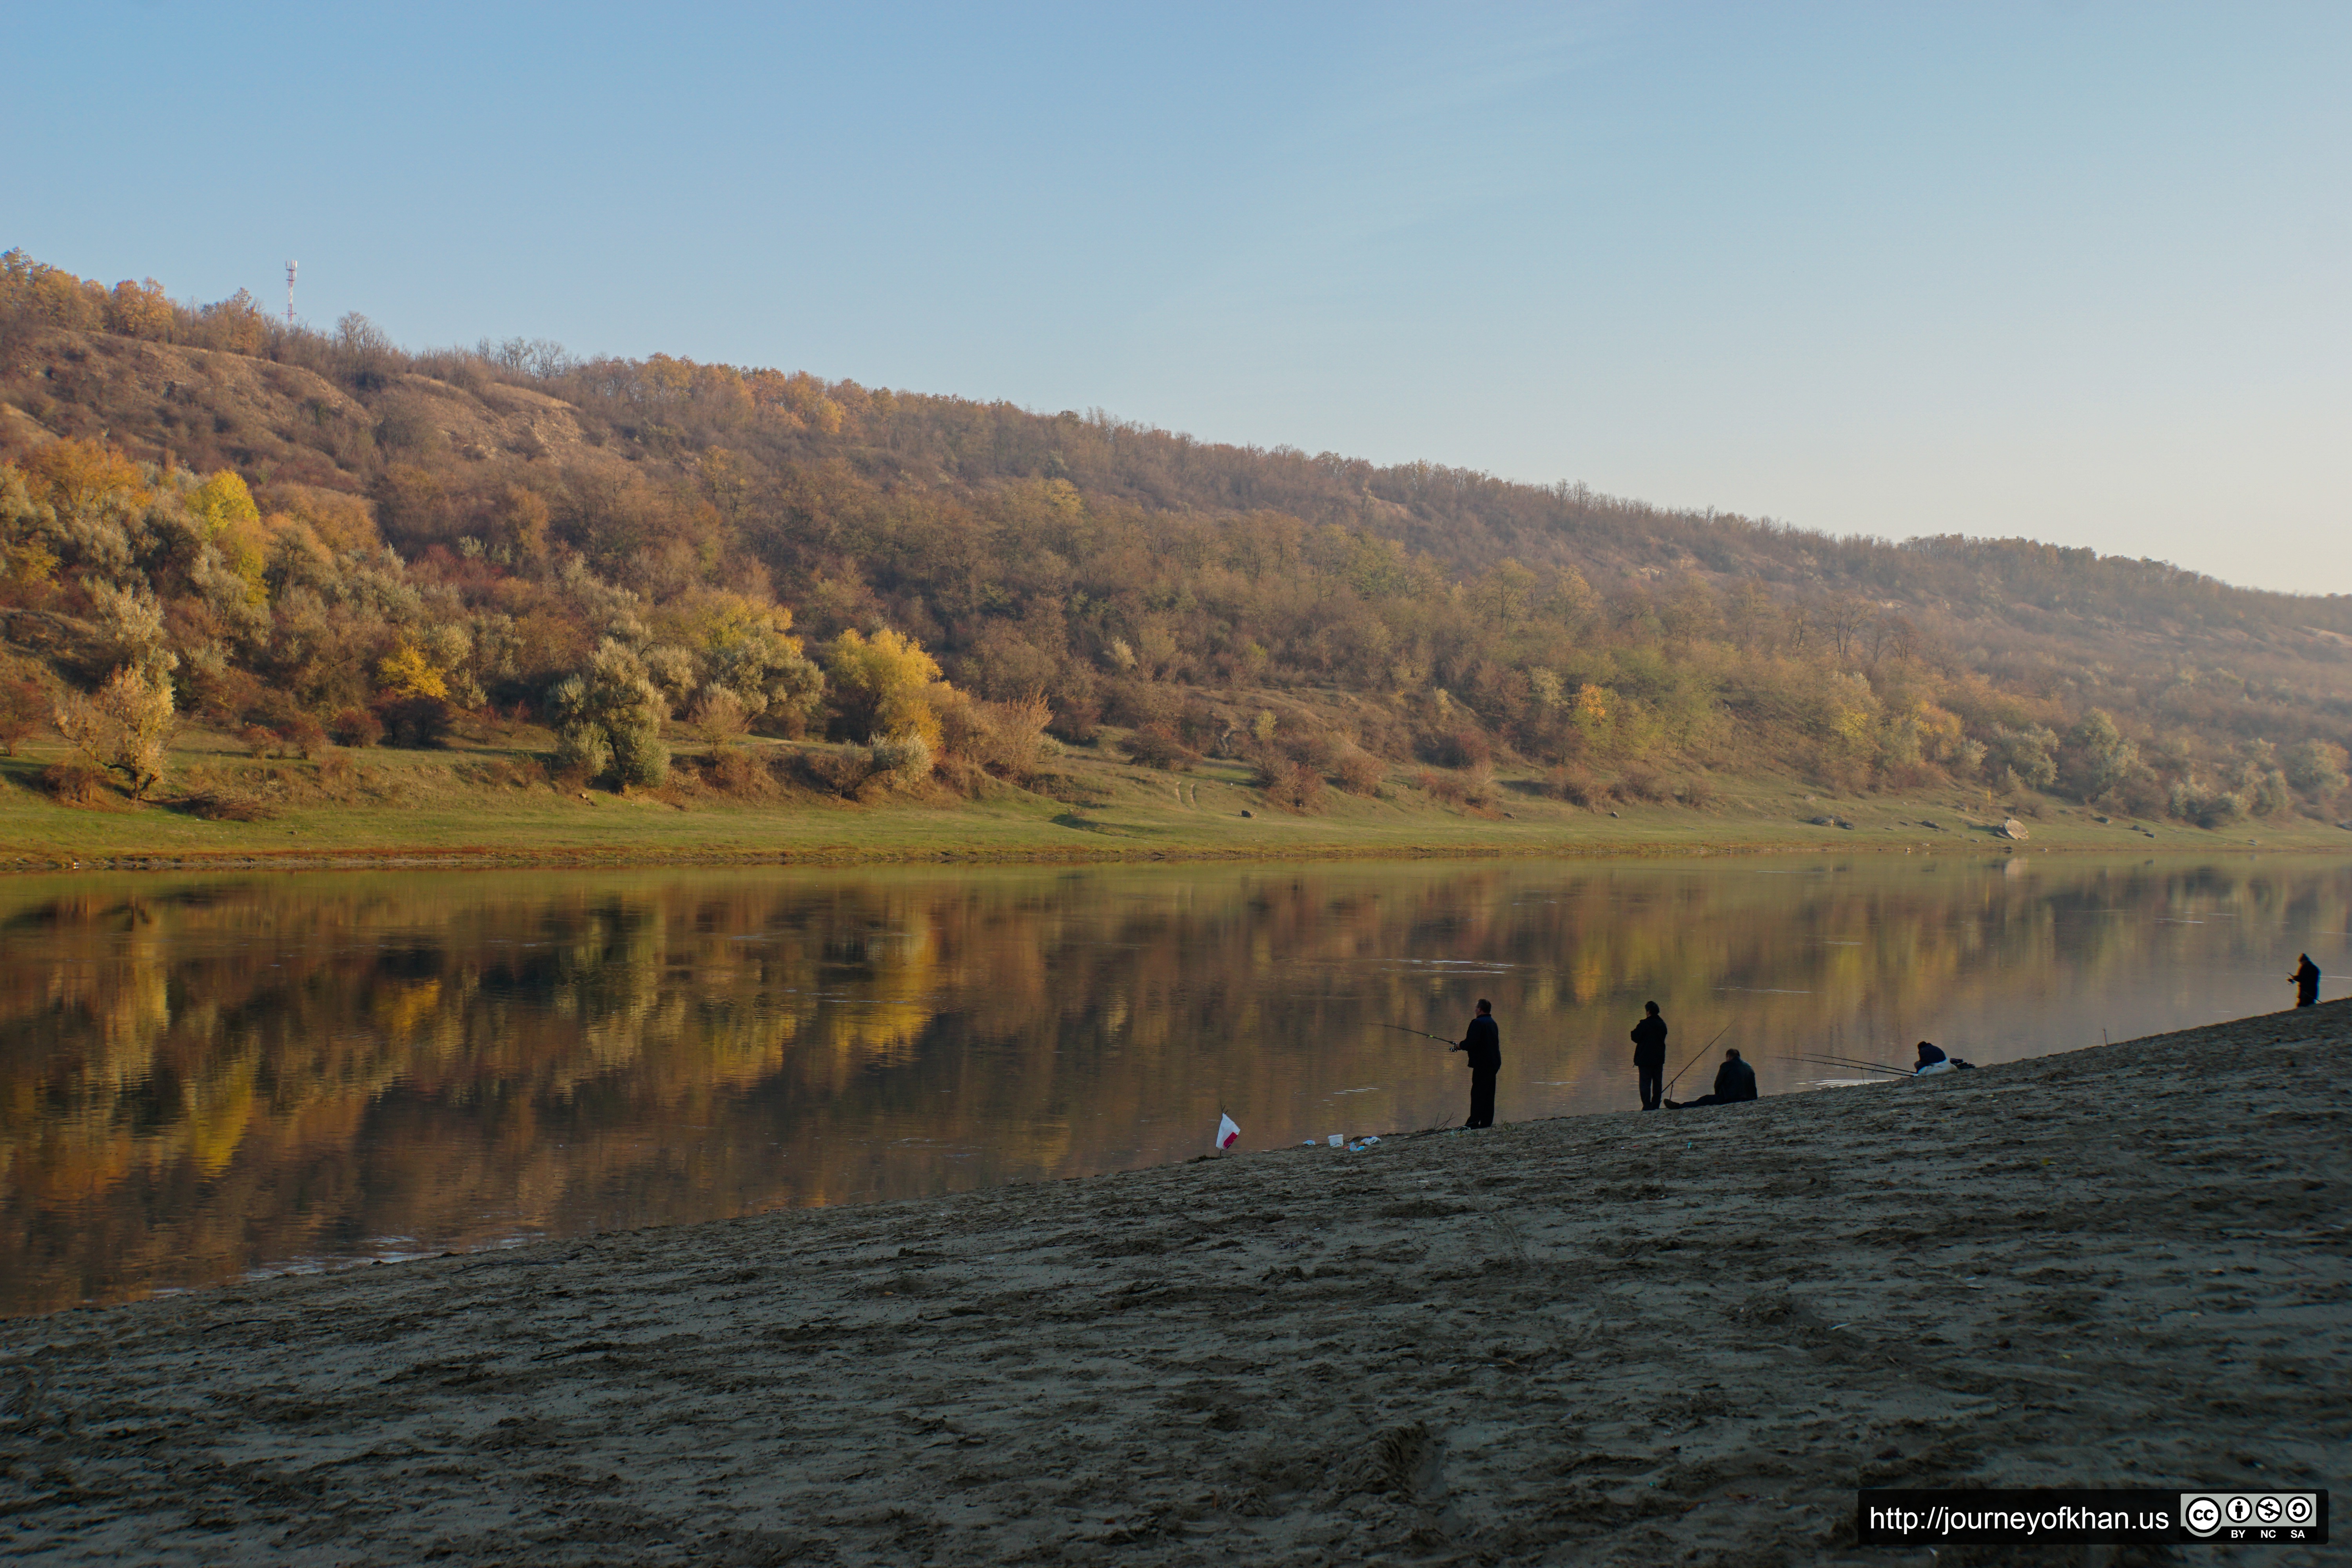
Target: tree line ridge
(317, 535)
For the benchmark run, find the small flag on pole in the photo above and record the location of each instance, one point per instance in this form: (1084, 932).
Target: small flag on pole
(1229, 1132)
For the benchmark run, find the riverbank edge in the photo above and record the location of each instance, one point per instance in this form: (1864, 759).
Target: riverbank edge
(1612, 1338)
(2078, 1062)
(21, 860)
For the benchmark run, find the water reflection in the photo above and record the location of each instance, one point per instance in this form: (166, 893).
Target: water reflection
(202, 1076)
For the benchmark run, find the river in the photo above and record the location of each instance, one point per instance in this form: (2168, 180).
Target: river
(203, 1076)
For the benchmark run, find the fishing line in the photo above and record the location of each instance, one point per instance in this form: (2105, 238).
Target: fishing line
(1694, 1061)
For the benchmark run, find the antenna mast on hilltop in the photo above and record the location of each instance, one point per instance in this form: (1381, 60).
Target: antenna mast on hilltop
(290, 295)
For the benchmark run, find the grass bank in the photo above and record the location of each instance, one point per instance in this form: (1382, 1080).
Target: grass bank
(487, 800)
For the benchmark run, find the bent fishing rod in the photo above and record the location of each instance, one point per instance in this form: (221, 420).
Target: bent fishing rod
(1425, 1034)
(1694, 1061)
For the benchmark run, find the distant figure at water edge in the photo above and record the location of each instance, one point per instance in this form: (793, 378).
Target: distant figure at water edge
(1735, 1080)
(1484, 1041)
(1650, 1055)
(2306, 982)
(1932, 1061)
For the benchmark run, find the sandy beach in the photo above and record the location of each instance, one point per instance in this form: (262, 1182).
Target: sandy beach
(1625, 1339)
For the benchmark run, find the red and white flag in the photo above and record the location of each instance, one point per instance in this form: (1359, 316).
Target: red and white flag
(1229, 1132)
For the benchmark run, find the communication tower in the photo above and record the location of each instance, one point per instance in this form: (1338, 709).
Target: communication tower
(290, 295)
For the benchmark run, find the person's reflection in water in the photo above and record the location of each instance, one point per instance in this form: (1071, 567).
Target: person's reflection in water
(2307, 983)
(1484, 1041)
(1650, 1055)
(1735, 1081)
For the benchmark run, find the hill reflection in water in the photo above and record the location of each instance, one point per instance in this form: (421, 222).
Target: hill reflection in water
(205, 1075)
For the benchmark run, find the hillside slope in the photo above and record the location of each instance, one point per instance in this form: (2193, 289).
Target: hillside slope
(475, 528)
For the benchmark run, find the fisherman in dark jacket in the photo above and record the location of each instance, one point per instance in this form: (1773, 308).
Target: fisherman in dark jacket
(1929, 1055)
(1484, 1041)
(1650, 1055)
(2307, 983)
(1735, 1080)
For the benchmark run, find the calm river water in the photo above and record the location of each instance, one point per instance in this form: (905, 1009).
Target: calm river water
(206, 1076)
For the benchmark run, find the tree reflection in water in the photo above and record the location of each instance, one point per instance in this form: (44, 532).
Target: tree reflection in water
(200, 1076)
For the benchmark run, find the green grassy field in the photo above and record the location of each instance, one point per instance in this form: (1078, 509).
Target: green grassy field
(466, 802)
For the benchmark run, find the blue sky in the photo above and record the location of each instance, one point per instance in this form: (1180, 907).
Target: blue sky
(2071, 271)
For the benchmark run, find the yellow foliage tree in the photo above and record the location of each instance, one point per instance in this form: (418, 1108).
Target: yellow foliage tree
(222, 501)
(406, 673)
(126, 726)
(139, 311)
(231, 521)
(237, 325)
(1592, 711)
(883, 685)
(82, 478)
(713, 620)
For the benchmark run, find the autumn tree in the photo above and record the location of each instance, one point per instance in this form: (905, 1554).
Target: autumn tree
(519, 523)
(609, 718)
(718, 715)
(2093, 758)
(82, 482)
(1119, 573)
(1505, 593)
(882, 685)
(24, 707)
(125, 726)
(1844, 617)
(236, 325)
(2316, 767)
(747, 648)
(2029, 755)
(139, 311)
(407, 672)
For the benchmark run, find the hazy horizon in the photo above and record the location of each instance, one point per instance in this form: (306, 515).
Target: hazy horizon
(2069, 272)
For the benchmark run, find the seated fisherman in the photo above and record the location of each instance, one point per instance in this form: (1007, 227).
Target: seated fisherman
(1933, 1061)
(1735, 1080)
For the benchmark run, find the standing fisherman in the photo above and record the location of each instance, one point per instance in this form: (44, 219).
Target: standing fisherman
(2307, 983)
(1650, 1055)
(1484, 1041)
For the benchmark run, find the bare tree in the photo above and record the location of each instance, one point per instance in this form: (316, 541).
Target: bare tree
(1842, 618)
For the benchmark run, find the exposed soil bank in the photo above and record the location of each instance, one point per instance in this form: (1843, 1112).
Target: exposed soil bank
(1680, 1337)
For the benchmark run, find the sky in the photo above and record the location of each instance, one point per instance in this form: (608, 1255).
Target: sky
(2074, 271)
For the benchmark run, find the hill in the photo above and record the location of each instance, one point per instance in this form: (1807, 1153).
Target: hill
(282, 531)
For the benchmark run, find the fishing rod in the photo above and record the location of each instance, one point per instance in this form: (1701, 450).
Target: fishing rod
(1850, 1067)
(1694, 1061)
(1838, 1061)
(1425, 1034)
(1832, 1058)
(1839, 1057)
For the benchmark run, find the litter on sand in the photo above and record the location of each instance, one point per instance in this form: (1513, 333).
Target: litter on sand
(1338, 1139)
(1229, 1132)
